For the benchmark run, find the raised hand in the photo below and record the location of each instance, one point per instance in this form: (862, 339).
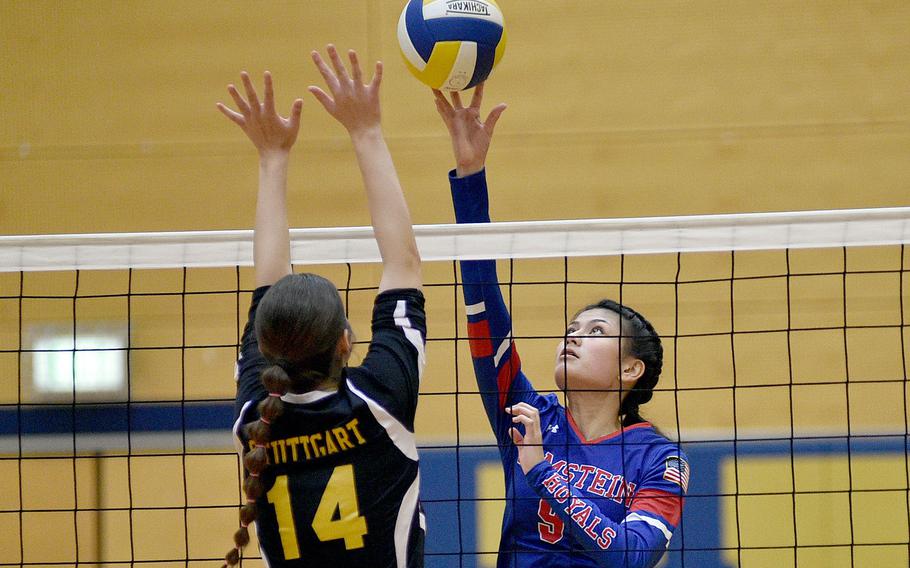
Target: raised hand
(351, 102)
(266, 129)
(530, 445)
(470, 137)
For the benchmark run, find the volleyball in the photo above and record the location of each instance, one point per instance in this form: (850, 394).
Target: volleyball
(451, 45)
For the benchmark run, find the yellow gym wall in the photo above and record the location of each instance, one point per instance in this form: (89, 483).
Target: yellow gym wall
(108, 124)
(615, 109)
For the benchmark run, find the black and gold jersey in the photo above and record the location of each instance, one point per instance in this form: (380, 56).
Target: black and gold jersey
(343, 479)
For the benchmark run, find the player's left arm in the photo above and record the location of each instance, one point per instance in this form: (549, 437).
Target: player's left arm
(642, 537)
(273, 136)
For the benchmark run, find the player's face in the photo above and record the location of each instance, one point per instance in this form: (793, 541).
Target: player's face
(589, 358)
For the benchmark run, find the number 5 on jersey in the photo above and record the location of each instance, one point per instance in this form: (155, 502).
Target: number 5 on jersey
(550, 528)
(340, 494)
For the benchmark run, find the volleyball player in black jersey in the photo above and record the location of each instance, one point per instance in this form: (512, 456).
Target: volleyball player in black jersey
(331, 472)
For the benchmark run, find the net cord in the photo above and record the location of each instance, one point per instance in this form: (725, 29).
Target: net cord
(526, 239)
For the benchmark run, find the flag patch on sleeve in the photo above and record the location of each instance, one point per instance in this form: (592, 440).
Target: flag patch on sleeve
(677, 470)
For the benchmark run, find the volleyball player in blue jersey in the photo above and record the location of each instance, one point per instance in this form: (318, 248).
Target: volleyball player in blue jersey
(591, 483)
(331, 472)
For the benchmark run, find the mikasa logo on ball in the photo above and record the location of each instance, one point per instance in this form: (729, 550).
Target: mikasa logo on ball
(467, 7)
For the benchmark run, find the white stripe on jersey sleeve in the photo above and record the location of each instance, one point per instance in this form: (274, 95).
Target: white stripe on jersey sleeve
(265, 558)
(651, 521)
(238, 443)
(401, 437)
(404, 520)
(503, 347)
(413, 335)
(474, 309)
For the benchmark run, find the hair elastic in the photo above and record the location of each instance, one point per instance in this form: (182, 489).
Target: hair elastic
(265, 420)
(275, 394)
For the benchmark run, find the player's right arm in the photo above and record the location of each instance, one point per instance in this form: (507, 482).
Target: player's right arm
(496, 362)
(356, 106)
(273, 136)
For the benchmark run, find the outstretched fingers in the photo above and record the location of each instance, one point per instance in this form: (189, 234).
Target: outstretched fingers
(443, 107)
(251, 96)
(330, 79)
(477, 97)
(493, 117)
(339, 67)
(377, 76)
(296, 110)
(356, 73)
(269, 104)
(442, 101)
(456, 101)
(324, 99)
(235, 117)
(238, 100)
(351, 102)
(263, 125)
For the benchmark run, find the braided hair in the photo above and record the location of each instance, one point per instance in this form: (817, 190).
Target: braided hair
(644, 345)
(299, 323)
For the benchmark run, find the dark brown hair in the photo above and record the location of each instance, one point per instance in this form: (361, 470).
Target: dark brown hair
(299, 323)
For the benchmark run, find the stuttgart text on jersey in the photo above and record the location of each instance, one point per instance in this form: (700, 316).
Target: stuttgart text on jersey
(313, 446)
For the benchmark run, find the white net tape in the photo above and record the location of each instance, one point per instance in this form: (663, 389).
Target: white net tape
(533, 239)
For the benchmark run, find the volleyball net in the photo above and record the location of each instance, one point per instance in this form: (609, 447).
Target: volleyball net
(785, 380)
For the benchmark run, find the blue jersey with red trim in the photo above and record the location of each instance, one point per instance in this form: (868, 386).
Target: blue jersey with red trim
(614, 501)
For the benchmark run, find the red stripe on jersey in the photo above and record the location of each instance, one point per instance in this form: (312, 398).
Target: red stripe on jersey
(506, 374)
(479, 339)
(665, 505)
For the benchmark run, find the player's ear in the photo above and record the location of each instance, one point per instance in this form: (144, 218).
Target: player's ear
(632, 369)
(345, 345)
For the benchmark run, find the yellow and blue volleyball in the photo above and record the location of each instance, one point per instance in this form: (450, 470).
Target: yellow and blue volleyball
(451, 45)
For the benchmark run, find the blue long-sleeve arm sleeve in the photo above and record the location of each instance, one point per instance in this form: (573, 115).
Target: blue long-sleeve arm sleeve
(497, 365)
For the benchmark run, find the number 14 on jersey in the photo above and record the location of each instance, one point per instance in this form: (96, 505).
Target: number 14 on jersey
(340, 494)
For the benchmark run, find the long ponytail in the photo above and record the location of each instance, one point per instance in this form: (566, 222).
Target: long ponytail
(255, 460)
